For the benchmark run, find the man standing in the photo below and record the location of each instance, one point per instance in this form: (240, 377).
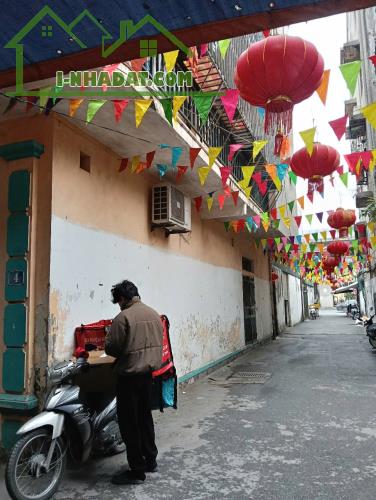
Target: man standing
(135, 340)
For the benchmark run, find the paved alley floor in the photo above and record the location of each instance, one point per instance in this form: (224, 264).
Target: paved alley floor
(308, 432)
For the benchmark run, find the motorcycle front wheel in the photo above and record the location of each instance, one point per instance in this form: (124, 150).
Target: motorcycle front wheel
(372, 342)
(25, 477)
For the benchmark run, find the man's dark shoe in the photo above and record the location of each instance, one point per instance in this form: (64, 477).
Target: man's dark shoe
(128, 477)
(152, 467)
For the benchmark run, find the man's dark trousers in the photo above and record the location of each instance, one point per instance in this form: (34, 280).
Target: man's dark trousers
(136, 420)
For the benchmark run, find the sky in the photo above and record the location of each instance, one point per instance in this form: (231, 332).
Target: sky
(328, 35)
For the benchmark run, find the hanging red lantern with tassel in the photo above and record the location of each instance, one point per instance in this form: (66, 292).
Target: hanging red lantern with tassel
(342, 219)
(277, 73)
(323, 161)
(338, 247)
(329, 262)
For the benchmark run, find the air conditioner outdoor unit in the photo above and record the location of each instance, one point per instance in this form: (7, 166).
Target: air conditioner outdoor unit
(171, 209)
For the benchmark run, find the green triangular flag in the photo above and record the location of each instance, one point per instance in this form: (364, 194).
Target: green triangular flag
(312, 247)
(350, 72)
(167, 108)
(351, 231)
(92, 108)
(287, 247)
(265, 216)
(291, 205)
(315, 236)
(275, 223)
(293, 177)
(344, 178)
(257, 242)
(227, 225)
(277, 240)
(309, 218)
(223, 46)
(55, 92)
(203, 104)
(44, 95)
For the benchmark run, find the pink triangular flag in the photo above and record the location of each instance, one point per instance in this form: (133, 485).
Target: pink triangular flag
(230, 101)
(225, 174)
(233, 149)
(257, 220)
(203, 49)
(339, 126)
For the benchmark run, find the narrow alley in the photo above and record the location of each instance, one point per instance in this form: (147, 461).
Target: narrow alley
(306, 433)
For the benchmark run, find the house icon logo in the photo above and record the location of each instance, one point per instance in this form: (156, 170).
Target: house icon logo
(46, 25)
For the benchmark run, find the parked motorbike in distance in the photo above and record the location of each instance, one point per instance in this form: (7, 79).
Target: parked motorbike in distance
(313, 314)
(370, 330)
(67, 426)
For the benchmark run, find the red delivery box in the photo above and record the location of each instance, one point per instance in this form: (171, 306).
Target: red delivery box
(91, 336)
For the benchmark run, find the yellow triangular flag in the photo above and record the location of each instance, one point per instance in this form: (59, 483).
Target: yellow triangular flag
(373, 241)
(243, 184)
(369, 113)
(323, 235)
(74, 104)
(135, 163)
(287, 222)
(170, 59)
(210, 201)
(372, 163)
(177, 103)
(357, 168)
(320, 246)
(301, 202)
(304, 247)
(247, 191)
(322, 91)
(247, 173)
(282, 210)
(213, 153)
(307, 237)
(265, 224)
(203, 172)
(257, 147)
(308, 137)
(371, 226)
(140, 108)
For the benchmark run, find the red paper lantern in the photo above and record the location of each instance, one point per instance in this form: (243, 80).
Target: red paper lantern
(323, 161)
(329, 262)
(338, 247)
(277, 73)
(342, 219)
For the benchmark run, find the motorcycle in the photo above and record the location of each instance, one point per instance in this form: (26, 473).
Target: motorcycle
(67, 426)
(313, 314)
(370, 330)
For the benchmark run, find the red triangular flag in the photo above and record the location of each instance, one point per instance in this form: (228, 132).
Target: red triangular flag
(235, 196)
(203, 49)
(230, 101)
(340, 169)
(241, 223)
(225, 174)
(257, 178)
(366, 157)
(31, 101)
(149, 158)
(373, 59)
(339, 126)
(273, 213)
(227, 191)
(198, 202)
(352, 161)
(221, 200)
(137, 64)
(193, 153)
(298, 220)
(266, 33)
(119, 107)
(333, 233)
(310, 196)
(181, 171)
(123, 164)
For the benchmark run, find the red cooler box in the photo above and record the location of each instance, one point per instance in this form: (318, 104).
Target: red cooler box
(93, 334)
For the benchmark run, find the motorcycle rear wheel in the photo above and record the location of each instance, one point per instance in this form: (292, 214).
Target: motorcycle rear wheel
(372, 342)
(21, 476)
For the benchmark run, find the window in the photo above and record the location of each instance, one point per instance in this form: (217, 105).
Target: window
(85, 162)
(148, 48)
(46, 31)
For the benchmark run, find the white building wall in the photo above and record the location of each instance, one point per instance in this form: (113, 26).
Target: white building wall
(203, 302)
(326, 296)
